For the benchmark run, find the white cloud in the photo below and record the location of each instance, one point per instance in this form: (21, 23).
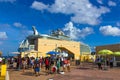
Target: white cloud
(38, 5)
(4, 25)
(81, 11)
(8, 1)
(111, 3)
(3, 35)
(26, 32)
(75, 33)
(100, 1)
(17, 24)
(110, 31)
(1, 42)
(118, 23)
(29, 32)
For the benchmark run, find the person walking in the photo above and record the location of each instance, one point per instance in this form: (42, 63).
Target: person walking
(111, 62)
(47, 65)
(58, 65)
(37, 67)
(99, 63)
(24, 63)
(68, 64)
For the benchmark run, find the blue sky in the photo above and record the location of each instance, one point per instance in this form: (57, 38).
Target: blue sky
(93, 22)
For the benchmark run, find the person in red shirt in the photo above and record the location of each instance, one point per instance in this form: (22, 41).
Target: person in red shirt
(47, 64)
(68, 64)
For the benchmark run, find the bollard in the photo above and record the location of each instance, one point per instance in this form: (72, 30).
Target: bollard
(3, 70)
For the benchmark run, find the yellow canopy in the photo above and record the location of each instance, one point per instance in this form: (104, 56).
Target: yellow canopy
(105, 52)
(116, 53)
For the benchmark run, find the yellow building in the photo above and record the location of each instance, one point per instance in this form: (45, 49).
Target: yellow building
(37, 45)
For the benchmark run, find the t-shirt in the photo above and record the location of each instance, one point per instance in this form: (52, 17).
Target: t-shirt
(65, 61)
(46, 61)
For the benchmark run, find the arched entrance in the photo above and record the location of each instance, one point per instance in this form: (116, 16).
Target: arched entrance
(63, 49)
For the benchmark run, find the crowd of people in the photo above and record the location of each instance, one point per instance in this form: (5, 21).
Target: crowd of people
(104, 62)
(49, 64)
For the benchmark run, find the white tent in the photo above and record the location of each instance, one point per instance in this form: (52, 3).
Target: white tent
(64, 54)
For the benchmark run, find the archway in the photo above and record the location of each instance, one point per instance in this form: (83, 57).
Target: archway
(70, 54)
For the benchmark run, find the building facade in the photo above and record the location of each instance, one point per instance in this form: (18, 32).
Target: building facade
(112, 47)
(37, 45)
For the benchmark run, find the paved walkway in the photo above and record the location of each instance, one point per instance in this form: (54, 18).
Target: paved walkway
(27, 75)
(89, 74)
(84, 73)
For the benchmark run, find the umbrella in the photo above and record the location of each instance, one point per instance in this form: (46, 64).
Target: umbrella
(116, 53)
(52, 53)
(105, 52)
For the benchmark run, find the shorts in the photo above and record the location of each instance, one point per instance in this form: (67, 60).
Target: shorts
(47, 67)
(64, 65)
(37, 69)
(68, 64)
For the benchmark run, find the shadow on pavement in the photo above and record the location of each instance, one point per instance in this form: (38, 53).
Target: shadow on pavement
(83, 68)
(28, 73)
